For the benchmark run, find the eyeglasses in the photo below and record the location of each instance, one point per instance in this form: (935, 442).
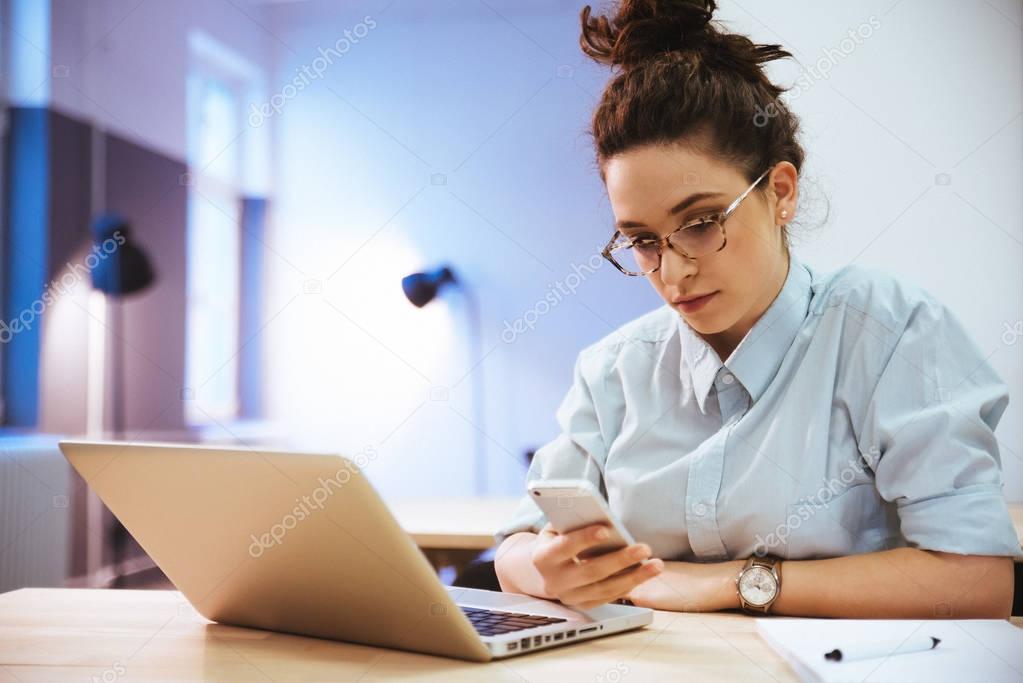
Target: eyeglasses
(705, 235)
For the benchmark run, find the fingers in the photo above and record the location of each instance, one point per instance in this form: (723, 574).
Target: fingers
(593, 594)
(561, 548)
(593, 581)
(599, 568)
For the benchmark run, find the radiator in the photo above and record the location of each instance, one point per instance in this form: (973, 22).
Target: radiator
(35, 513)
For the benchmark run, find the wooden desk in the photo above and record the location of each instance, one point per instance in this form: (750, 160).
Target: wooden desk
(123, 636)
(58, 634)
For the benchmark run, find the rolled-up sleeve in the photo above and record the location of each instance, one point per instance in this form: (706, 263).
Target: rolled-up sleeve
(928, 434)
(578, 452)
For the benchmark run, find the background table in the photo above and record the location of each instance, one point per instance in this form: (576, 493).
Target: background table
(453, 523)
(1016, 510)
(453, 531)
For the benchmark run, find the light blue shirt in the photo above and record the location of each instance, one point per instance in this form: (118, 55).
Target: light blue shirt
(856, 415)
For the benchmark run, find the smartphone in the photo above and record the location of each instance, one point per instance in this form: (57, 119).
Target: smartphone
(572, 504)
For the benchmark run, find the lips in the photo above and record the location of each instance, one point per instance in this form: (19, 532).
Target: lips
(691, 304)
(685, 300)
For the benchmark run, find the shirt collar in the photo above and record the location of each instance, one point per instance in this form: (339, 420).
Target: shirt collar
(756, 359)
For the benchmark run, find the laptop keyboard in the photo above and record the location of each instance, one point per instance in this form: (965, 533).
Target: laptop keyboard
(493, 623)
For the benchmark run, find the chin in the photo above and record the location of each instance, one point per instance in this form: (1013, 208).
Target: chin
(705, 321)
(702, 326)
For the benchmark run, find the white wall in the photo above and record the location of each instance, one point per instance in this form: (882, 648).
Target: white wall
(472, 99)
(917, 139)
(473, 92)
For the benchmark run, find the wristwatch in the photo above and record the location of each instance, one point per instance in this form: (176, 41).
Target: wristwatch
(759, 584)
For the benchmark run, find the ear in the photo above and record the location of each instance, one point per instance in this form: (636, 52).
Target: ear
(783, 192)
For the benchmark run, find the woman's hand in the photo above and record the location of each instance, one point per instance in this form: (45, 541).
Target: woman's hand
(593, 581)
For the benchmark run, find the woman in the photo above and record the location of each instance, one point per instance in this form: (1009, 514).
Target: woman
(842, 459)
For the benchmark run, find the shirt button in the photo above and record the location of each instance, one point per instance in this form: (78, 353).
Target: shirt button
(700, 509)
(728, 379)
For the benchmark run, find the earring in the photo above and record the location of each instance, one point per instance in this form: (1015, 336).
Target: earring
(784, 213)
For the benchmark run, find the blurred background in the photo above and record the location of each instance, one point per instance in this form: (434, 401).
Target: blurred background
(209, 207)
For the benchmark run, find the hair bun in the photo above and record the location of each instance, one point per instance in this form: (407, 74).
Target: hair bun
(641, 29)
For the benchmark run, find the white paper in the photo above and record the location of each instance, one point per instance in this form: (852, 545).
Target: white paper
(988, 650)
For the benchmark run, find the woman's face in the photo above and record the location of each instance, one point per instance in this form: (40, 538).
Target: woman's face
(646, 183)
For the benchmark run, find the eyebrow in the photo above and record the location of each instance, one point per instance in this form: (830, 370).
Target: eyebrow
(678, 208)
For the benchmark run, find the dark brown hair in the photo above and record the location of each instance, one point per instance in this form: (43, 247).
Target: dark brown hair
(683, 80)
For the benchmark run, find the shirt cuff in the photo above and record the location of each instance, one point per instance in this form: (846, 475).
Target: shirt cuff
(968, 523)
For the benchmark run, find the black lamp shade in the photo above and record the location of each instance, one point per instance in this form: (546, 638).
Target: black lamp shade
(422, 288)
(123, 268)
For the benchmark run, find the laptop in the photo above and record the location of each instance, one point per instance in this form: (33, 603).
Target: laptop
(302, 543)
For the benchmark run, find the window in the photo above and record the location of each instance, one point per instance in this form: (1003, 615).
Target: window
(218, 84)
(214, 254)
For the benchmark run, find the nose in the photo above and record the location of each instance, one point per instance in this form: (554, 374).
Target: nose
(675, 266)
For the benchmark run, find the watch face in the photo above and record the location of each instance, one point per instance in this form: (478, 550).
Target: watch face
(758, 586)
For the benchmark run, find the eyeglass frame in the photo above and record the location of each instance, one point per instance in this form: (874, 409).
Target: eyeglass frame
(719, 218)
